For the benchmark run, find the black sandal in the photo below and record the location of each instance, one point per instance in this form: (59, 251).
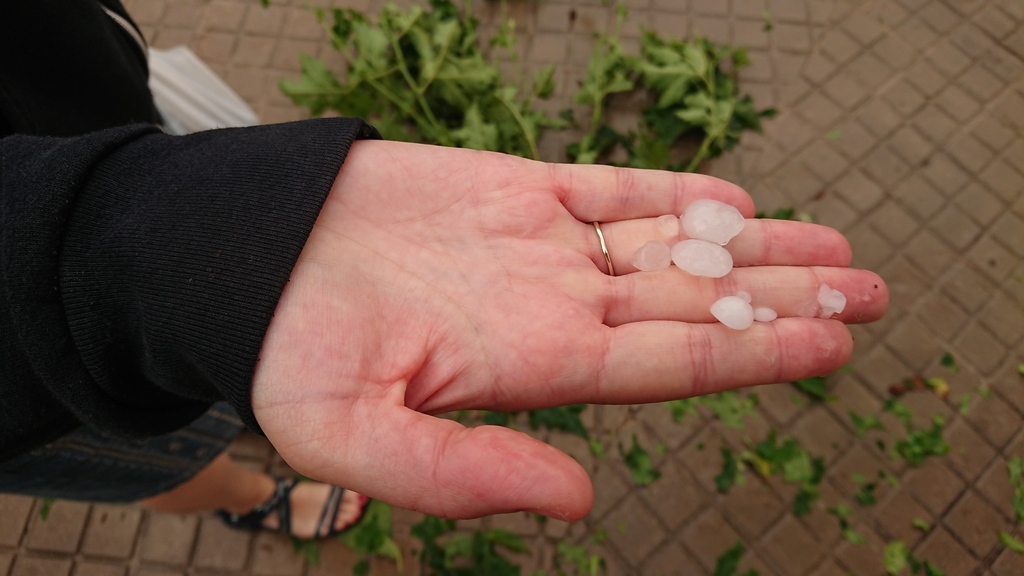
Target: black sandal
(280, 502)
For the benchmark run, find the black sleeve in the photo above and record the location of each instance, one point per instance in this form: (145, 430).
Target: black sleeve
(139, 271)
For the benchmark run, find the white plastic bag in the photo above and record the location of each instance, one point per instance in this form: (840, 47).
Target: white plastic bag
(191, 97)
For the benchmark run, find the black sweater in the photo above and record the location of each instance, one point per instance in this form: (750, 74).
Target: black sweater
(139, 271)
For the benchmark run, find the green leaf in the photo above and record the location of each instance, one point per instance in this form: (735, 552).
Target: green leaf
(895, 557)
(920, 444)
(373, 536)
(921, 525)
(899, 410)
(731, 472)
(731, 408)
(544, 82)
(639, 463)
(865, 494)
(854, 537)
(564, 418)
(864, 424)
(1015, 466)
(597, 448)
(361, 568)
(963, 403)
(683, 407)
(317, 88)
(475, 133)
(1011, 542)
(815, 388)
(1020, 369)
(834, 135)
(729, 561)
(44, 507)
(949, 363)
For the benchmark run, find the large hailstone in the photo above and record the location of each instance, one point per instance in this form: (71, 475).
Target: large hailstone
(734, 312)
(702, 258)
(651, 257)
(712, 221)
(831, 301)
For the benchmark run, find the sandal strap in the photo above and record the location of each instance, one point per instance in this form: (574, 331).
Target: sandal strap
(278, 502)
(329, 514)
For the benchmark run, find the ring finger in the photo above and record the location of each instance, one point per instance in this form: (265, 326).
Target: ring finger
(762, 242)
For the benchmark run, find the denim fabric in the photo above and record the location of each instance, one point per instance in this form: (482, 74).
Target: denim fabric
(97, 467)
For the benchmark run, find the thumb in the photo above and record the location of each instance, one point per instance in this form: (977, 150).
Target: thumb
(440, 467)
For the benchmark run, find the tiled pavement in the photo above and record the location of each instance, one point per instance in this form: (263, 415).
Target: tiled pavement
(901, 124)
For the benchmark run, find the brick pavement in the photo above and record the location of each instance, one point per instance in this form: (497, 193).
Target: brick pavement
(900, 124)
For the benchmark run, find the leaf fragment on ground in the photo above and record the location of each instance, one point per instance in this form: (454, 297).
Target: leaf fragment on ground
(639, 463)
(1015, 466)
(1011, 542)
(949, 363)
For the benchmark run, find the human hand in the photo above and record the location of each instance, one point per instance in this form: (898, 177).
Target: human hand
(439, 279)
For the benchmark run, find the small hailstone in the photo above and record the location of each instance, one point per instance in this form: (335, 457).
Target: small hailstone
(669, 225)
(652, 256)
(712, 221)
(702, 258)
(744, 294)
(831, 301)
(734, 312)
(764, 314)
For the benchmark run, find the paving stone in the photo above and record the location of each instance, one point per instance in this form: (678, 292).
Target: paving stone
(894, 51)
(885, 168)
(994, 486)
(854, 140)
(708, 537)
(335, 558)
(941, 315)
(975, 523)
(879, 118)
(219, 547)
(633, 530)
(671, 559)
(111, 531)
(151, 570)
(969, 152)
(675, 496)
(934, 485)
(994, 260)
(862, 558)
(753, 507)
(839, 46)
(168, 538)
(62, 529)
(1009, 563)
(34, 566)
(93, 568)
(792, 548)
(820, 433)
(942, 550)
(15, 511)
(864, 29)
(1003, 317)
(911, 146)
(957, 103)
(897, 514)
(969, 454)
(6, 559)
(917, 33)
(274, 555)
(824, 162)
(995, 22)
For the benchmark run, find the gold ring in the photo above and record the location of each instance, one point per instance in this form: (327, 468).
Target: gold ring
(604, 248)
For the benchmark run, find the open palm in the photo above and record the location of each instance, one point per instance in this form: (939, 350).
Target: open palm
(438, 279)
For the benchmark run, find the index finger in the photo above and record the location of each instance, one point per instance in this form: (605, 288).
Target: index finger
(608, 193)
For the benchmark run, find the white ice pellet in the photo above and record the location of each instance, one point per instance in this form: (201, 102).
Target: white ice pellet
(652, 256)
(712, 221)
(734, 312)
(669, 225)
(745, 295)
(702, 258)
(831, 301)
(764, 314)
